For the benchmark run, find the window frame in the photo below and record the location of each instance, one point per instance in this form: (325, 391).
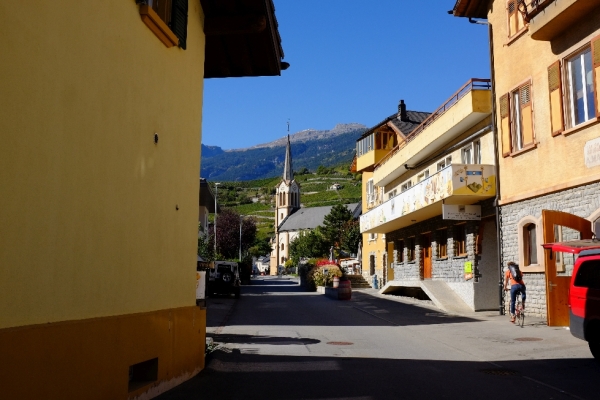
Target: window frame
(444, 162)
(540, 266)
(514, 32)
(411, 254)
(569, 103)
(459, 240)
(517, 121)
(400, 252)
(168, 22)
(442, 243)
(370, 189)
(423, 175)
(405, 186)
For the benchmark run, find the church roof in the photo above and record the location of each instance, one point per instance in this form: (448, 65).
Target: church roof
(309, 218)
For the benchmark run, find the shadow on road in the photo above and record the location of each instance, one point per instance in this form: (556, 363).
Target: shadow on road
(231, 374)
(250, 339)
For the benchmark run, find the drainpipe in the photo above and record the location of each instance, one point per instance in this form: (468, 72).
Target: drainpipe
(495, 133)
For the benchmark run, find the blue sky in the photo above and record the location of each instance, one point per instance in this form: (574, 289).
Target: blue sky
(351, 61)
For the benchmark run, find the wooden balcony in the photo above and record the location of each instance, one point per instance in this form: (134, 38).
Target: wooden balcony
(463, 184)
(549, 18)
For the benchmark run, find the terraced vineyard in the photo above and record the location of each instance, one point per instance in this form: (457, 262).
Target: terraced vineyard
(257, 198)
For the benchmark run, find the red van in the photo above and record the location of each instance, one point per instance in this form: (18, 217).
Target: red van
(584, 291)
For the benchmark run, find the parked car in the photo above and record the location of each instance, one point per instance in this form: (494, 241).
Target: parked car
(584, 290)
(224, 278)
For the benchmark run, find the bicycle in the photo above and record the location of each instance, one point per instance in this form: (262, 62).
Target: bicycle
(519, 311)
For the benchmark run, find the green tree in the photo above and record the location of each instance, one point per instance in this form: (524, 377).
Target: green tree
(350, 236)
(260, 247)
(308, 244)
(205, 247)
(334, 222)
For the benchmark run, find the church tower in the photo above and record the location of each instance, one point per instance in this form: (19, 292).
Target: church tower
(287, 201)
(287, 196)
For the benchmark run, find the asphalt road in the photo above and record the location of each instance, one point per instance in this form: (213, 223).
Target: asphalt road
(279, 342)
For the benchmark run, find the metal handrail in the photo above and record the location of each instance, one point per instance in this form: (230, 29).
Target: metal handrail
(529, 9)
(472, 84)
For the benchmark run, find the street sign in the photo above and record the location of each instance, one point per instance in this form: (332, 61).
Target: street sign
(461, 212)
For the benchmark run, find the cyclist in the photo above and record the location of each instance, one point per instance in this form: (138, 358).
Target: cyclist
(514, 275)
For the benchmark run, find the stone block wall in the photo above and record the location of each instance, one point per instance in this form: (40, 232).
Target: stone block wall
(448, 269)
(583, 201)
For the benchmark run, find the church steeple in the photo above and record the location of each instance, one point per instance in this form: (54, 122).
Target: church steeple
(288, 173)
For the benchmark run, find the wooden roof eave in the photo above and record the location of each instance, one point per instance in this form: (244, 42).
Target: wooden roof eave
(471, 8)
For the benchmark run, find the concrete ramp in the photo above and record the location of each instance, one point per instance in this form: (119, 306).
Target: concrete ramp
(389, 287)
(444, 297)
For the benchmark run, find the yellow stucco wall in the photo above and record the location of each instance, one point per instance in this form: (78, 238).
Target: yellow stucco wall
(90, 359)
(369, 247)
(557, 162)
(97, 220)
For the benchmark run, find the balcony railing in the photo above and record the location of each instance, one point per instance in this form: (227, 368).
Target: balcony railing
(473, 84)
(530, 8)
(470, 182)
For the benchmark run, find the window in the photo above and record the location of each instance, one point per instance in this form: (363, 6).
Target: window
(588, 275)
(558, 255)
(515, 19)
(580, 88)
(388, 140)
(370, 192)
(460, 240)
(167, 19)
(392, 194)
(471, 154)
(365, 145)
(578, 92)
(530, 244)
(405, 186)
(423, 175)
(372, 236)
(372, 264)
(442, 243)
(516, 120)
(410, 249)
(444, 163)
(400, 252)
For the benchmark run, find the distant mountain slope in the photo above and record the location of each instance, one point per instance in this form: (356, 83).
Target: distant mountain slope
(310, 148)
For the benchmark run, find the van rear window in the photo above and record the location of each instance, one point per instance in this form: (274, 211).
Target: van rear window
(588, 275)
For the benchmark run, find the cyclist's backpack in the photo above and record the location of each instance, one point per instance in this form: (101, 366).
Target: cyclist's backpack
(515, 271)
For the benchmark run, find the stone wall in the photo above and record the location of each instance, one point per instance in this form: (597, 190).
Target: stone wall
(582, 201)
(449, 269)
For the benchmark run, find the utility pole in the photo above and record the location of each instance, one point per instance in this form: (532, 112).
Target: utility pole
(241, 221)
(216, 193)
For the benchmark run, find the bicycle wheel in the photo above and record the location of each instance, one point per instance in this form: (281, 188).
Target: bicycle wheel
(520, 315)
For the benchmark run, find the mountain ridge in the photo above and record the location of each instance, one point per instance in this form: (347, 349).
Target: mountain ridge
(310, 149)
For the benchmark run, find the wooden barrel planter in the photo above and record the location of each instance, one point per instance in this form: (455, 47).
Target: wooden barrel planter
(345, 290)
(336, 282)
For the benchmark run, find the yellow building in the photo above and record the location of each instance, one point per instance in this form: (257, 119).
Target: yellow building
(373, 146)
(100, 114)
(546, 70)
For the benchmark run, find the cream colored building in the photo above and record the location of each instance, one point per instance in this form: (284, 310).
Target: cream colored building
(373, 146)
(546, 73)
(100, 118)
(431, 198)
